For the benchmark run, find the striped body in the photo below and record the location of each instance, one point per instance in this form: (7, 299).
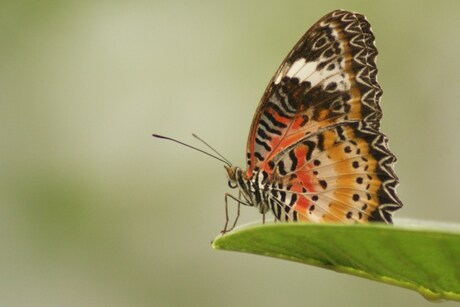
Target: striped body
(262, 193)
(314, 151)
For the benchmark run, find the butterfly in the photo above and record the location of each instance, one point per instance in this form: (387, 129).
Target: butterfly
(315, 152)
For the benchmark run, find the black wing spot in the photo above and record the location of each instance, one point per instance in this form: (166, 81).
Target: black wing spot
(305, 120)
(329, 53)
(311, 147)
(263, 135)
(331, 86)
(294, 216)
(293, 160)
(270, 130)
(281, 169)
(321, 65)
(320, 142)
(283, 196)
(274, 121)
(263, 144)
(323, 184)
(293, 200)
(320, 42)
(258, 156)
(340, 134)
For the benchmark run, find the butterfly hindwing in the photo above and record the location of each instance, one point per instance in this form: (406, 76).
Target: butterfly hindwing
(336, 175)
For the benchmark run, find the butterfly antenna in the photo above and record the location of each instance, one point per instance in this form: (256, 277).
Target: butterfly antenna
(212, 148)
(220, 158)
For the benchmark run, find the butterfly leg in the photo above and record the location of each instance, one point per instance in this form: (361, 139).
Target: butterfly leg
(239, 201)
(223, 231)
(238, 212)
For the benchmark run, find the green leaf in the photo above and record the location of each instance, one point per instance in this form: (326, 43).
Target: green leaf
(414, 257)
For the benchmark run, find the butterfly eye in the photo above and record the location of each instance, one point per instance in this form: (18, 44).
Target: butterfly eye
(232, 185)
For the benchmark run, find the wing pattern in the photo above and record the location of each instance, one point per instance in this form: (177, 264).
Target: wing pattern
(316, 130)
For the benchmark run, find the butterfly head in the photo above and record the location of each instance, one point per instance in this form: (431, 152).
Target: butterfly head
(233, 173)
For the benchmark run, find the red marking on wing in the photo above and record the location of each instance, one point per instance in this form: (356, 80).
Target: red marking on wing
(302, 205)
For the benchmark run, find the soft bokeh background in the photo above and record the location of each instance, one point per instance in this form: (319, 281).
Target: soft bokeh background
(94, 211)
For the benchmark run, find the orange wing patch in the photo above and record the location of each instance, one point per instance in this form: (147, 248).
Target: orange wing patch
(335, 174)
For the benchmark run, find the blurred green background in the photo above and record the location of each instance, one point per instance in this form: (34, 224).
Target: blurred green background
(95, 212)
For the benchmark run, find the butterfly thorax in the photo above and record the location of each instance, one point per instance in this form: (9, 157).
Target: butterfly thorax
(255, 189)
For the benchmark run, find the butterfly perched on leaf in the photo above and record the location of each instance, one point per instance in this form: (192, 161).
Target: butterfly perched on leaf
(315, 152)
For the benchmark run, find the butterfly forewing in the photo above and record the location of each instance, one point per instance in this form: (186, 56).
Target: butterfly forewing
(316, 129)
(329, 77)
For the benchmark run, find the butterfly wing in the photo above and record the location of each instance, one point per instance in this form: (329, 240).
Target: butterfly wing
(342, 173)
(323, 100)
